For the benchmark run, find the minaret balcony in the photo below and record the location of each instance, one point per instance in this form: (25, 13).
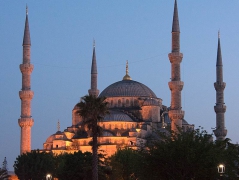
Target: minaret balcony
(176, 114)
(220, 108)
(26, 94)
(94, 92)
(219, 85)
(175, 57)
(220, 133)
(24, 122)
(176, 85)
(26, 68)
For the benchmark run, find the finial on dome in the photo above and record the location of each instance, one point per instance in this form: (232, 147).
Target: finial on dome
(127, 77)
(58, 125)
(127, 67)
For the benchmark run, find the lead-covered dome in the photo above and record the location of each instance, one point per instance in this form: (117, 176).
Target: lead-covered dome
(127, 88)
(117, 116)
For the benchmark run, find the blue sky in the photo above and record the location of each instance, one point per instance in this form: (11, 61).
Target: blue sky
(62, 34)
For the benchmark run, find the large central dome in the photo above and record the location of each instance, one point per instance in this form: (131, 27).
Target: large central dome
(127, 88)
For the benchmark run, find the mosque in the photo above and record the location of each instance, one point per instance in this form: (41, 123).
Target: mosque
(135, 110)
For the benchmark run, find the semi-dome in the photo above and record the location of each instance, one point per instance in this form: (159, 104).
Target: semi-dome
(117, 116)
(127, 88)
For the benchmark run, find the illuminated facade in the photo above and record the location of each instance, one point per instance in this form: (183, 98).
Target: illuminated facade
(135, 110)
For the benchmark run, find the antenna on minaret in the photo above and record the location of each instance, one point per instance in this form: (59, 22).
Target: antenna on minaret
(26, 10)
(219, 34)
(58, 125)
(93, 42)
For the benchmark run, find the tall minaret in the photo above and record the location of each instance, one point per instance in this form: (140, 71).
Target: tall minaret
(93, 90)
(26, 95)
(176, 113)
(220, 108)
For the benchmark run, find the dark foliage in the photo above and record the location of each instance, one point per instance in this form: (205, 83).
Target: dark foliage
(75, 166)
(3, 174)
(184, 156)
(34, 165)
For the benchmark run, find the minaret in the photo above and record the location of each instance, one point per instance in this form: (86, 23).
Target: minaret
(93, 90)
(220, 108)
(26, 95)
(176, 113)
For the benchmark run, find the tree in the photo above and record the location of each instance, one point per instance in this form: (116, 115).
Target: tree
(126, 164)
(4, 170)
(190, 155)
(75, 166)
(93, 109)
(34, 165)
(3, 174)
(4, 164)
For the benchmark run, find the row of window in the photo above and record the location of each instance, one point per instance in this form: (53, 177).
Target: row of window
(119, 126)
(120, 103)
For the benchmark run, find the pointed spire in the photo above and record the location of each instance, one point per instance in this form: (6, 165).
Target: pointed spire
(219, 54)
(93, 66)
(58, 125)
(93, 88)
(175, 26)
(26, 38)
(127, 77)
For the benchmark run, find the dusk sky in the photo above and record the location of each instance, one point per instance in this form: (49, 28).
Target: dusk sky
(62, 34)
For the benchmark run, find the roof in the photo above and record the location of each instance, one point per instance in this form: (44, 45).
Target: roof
(127, 88)
(117, 116)
(151, 102)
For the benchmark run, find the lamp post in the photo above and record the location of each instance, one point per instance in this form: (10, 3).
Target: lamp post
(221, 170)
(48, 177)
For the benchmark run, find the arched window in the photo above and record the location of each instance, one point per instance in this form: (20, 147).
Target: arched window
(135, 102)
(119, 103)
(127, 103)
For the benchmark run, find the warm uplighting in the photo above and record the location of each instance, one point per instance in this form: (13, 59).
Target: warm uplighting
(221, 169)
(48, 177)
(138, 130)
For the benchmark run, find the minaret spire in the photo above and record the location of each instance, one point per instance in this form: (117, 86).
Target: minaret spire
(176, 114)
(26, 95)
(26, 38)
(175, 26)
(93, 90)
(220, 108)
(58, 125)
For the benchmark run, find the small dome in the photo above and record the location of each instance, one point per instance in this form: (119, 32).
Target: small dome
(50, 139)
(117, 116)
(184, 122)
(127, 88)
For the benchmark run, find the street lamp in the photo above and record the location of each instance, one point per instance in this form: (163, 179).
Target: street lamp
(48, 177)
(221, 169)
